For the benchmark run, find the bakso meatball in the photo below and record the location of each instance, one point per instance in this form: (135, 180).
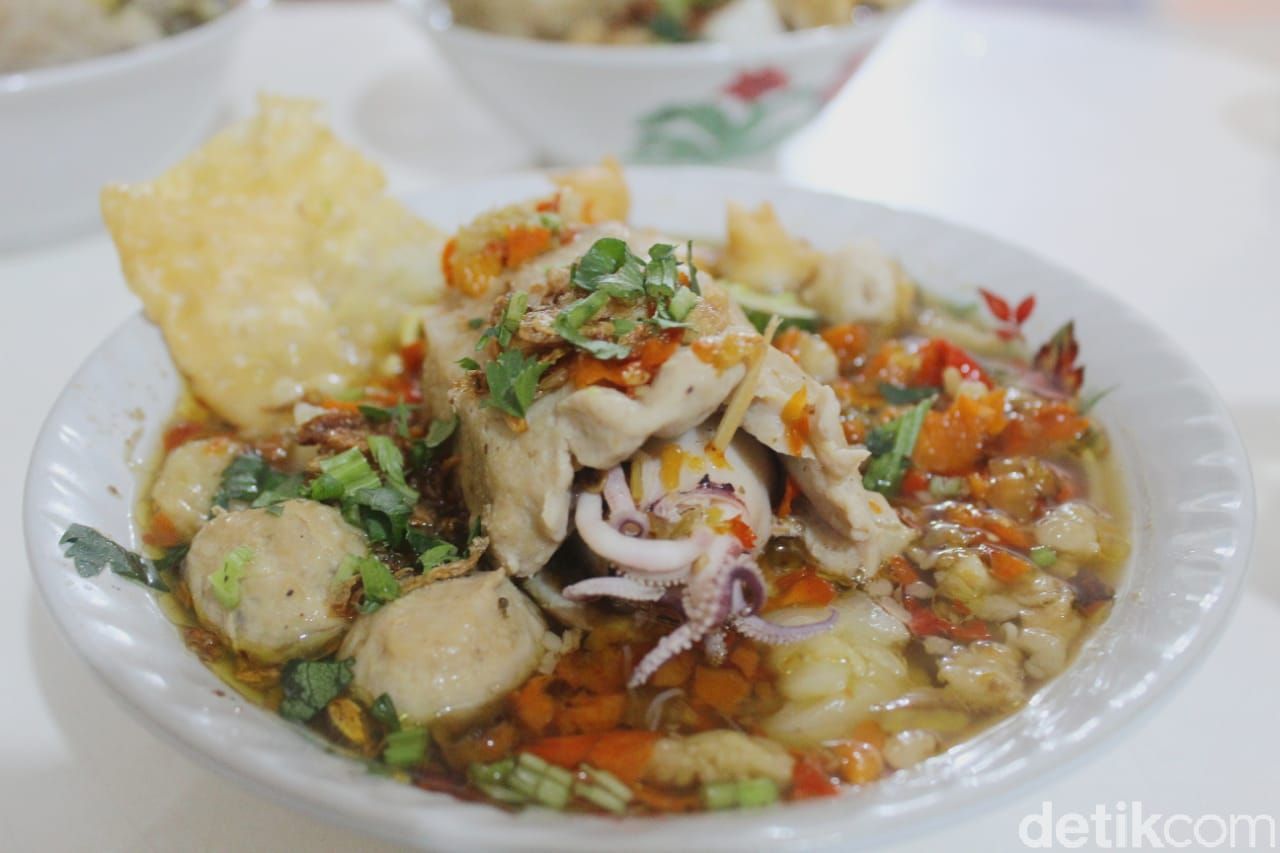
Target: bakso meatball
(188, 480)
(261, 578)
(449, 649)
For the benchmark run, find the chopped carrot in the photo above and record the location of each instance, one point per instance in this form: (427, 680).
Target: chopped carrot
(790, 340)
(742, 531)
(566, 751)
(801, 588)
(746, 658)
(446, 260)
(1043, 429)
(596, 671)
(722, 689)
(900, 571)
(533, 705)
(665, 801)
(525, 242)
(915, 481)
(809, 780)
(848, 340)
(860, 762)
(587, 713)
(161, 532)
(655, 351)
(340, 406)
(789, 492)
(624, 753)
(1008, 567)
(675, 672)
(951, 442)
(978, 485)
(795, 418)
(586, 370)
(869, 731)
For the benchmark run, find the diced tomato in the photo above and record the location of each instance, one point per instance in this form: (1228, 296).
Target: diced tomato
(802, 588)
(926, 623)
(939, 354)
(900, 571)
(808, 780)
(915, 481)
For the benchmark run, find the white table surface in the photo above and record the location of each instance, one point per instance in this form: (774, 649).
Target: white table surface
(1147, 163)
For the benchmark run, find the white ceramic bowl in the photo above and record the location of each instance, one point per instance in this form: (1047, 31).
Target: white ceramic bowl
(681, 103)
(1187, 480)
(67, 130)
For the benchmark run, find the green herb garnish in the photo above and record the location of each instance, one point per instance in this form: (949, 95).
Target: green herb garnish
(380, 586)
(437, 552)
(391, 462)
(91, 552)
(507, 327)
(406, 747)
(900, 395)
(891, 445)
(382, 513)
(310, 685)
(225, 582)
(344, 474)
(513, 382)
(384, 711)
(249, 479)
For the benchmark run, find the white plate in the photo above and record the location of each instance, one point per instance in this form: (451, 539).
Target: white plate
(1187, 477)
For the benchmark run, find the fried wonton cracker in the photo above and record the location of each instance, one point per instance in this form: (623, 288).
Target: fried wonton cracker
(274, 262)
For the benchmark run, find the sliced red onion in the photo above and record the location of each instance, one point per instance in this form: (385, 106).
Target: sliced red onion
(764, 631)
(635, 556)
(623, 514)
(613, 587)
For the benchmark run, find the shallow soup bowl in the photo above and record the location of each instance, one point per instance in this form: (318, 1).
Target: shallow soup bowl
(1184, 469)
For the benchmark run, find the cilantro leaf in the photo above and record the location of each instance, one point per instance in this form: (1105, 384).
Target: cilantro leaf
(91, 552)
(888, 466)
(382, 513)
(609, 265)
(437, 552)
(513, 382)
(439, 431)
(241, 480)
(380, 585)
(899, 395)
(310, 685)
(399, 413)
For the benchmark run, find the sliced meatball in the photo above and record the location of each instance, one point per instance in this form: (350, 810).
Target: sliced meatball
(722, 755)
(294, 551)
(449, 649)
(188, 480)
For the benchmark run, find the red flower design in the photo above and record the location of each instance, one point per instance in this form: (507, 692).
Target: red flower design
(752, 85)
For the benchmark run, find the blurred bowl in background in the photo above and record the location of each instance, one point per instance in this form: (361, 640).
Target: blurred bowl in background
(696, 102)
(67, 130)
